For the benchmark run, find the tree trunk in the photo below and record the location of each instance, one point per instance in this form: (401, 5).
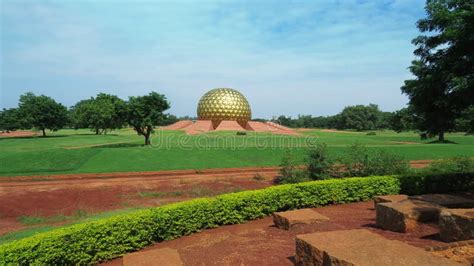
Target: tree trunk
(147, 139)
(441, 136)
(97, 131)
(44, 132)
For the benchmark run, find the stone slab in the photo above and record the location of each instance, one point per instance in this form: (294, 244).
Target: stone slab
(287, 220)
(403, 216)
(446, 200)
(389, 198)
(456, 224)
(162, 257)
(360, 247)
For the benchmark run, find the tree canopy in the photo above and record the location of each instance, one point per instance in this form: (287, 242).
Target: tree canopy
(146, 112)
(103, 113)
(42, 112)
(443, 87)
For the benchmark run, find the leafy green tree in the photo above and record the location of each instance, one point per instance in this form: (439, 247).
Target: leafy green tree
(9, 119)
(146, 112)
(42, 112)
(359, 117)
(443, 86)
(402, 120)
(80, 114)
(465, 123)
(103, 113)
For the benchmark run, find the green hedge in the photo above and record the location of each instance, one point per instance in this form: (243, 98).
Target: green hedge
(111, 237)
(424, 183)
(108, 238)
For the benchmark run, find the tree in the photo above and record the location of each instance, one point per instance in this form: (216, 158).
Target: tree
(403, 120)
(465, 123)
(42, 112)
(443, 86)
(103, 113)
(359, 117)
(9, 119)
(319, 165)
(146, 112)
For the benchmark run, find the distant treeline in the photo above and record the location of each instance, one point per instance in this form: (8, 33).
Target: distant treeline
(370, 117)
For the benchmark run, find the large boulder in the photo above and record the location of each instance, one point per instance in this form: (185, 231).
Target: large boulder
(389, 198)
(456, 224)
(360, 247)
(446, 200)
(404, 215)
(287, 220)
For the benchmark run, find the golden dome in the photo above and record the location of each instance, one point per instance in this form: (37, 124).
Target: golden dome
(224, 104)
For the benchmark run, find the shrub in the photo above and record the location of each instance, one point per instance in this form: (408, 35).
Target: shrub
(104, 239)
(361, 162)
(319, 165)
(371, 133)
(422, 183)
(289, 171)
(452, 165)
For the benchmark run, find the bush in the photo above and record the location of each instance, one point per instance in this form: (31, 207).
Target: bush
(319, 165)
(422, 183)
(371, 133)
(104, 239)
(361, 162)
(453, 165)
(289, 171)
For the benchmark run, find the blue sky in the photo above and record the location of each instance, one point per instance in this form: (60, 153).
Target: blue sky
(286, 57)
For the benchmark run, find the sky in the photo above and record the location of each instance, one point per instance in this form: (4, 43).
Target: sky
(287, 57)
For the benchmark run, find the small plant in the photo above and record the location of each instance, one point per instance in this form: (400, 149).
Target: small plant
(371, 133)
(258, 177)
(458, 164)
(241, 133)
(289, 172)
(319, 165)
(361, 162)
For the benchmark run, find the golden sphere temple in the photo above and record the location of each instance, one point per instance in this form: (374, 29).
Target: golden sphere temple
(226, 109)
(222, 104)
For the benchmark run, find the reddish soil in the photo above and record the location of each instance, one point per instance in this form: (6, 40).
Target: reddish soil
(54, 195)
(18, 133)
(259, 242)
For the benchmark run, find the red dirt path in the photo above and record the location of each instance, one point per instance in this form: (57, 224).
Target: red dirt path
(54, 195)
(259, 242)
(18, 133)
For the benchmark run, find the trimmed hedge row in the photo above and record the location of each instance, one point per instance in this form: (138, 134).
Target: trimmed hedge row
(108, 238)
(423, 183)
(111, 237)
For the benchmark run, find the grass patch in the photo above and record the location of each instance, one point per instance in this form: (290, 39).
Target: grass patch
(102, 153)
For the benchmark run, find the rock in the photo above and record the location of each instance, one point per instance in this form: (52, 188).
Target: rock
(288, 219)
(456, 224)
(162, 257)
(446, 200)
(360, 247)
(404, 215)
(389, 198)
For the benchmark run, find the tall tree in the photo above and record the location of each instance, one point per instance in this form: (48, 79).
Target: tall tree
(9, 119)
(443, 86)
(42, 112)
(146, 112)
(103, 113)
(359, 117)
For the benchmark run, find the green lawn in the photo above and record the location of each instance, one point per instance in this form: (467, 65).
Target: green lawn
(79, 151)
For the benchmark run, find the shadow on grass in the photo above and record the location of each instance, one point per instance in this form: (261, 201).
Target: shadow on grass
(34, 137)
(441, 142)
(119, 145)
